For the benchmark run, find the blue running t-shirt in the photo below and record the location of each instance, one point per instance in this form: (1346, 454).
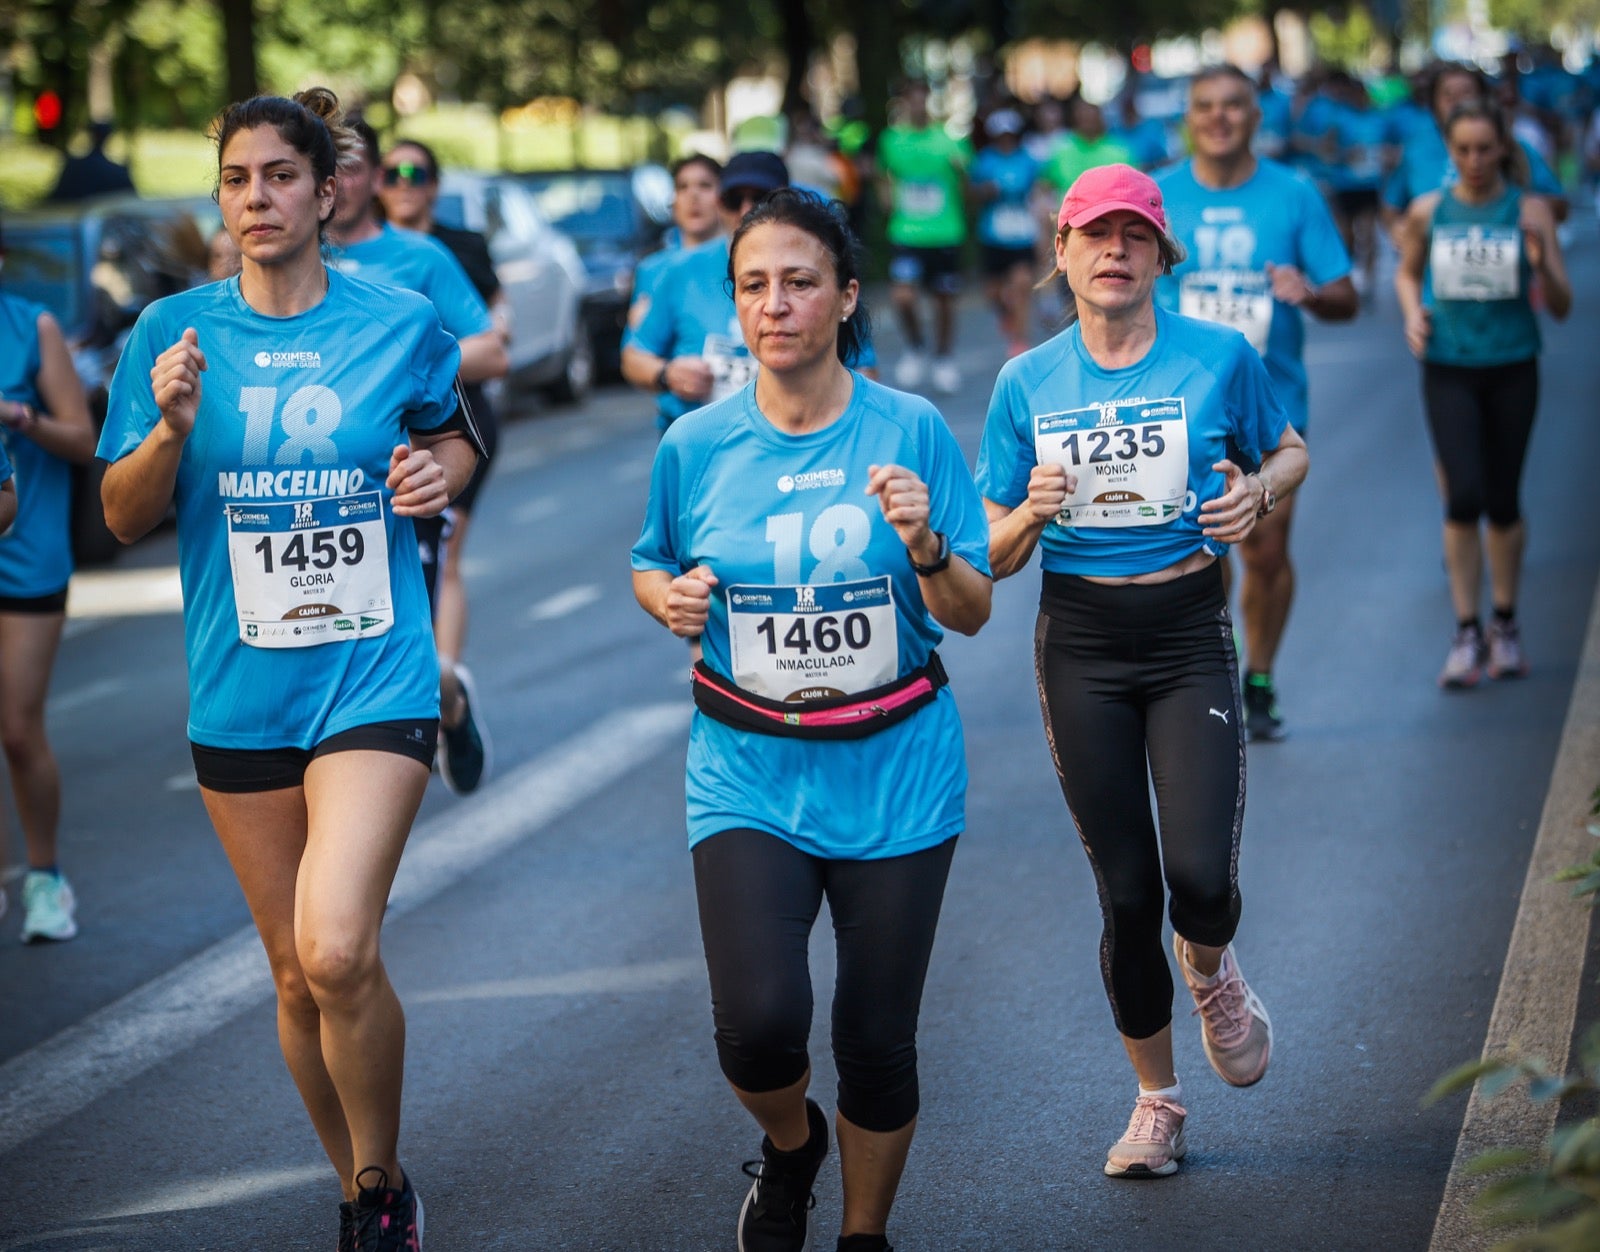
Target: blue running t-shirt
(692, 314)
(1007, 221)
(304, 608)
(815, 590)
(1274, 217)
(417, 262)
(1141, 440)
(36, 553)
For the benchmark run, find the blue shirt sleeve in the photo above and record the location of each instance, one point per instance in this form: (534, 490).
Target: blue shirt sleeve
(955, 508)
(1322, 251)
(1006, 455)
(435, 359)
(460, 307)
(657, 333)
(131, 412)
(1253, 407)
(658, 546)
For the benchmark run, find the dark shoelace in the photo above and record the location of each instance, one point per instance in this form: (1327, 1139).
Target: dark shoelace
(373, 1233)
(778, 1193)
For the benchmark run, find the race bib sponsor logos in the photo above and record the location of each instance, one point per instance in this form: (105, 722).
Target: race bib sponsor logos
(1130, 457)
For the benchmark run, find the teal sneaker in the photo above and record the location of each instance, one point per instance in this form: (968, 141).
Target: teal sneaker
(48, 905)
(464, 749)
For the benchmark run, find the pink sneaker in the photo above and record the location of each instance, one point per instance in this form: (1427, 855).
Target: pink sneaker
(1234, 1026)
(1152, 1145)
(1506, 658)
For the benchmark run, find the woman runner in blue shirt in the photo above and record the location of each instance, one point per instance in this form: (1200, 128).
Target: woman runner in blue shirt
(301, 418)
(1113, 448)
(1468, 256)
(815, 532)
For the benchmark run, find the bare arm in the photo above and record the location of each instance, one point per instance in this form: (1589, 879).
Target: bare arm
(1543, 247)
(1014, 532)
(8, 504)
(1233, 515)
(62, 426)
(483, 356)
(958, 596)
(454, 453)
(687, 377)
(1408, 273)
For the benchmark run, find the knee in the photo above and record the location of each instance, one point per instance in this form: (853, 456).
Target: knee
(1266, 552)
(1463, 502)
(294, 992)
(22, 736)
(1205, 909)
(877, 1065)
(761, 1041)
(336, 966)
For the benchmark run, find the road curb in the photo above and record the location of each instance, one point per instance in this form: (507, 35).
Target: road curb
(1537, 1003)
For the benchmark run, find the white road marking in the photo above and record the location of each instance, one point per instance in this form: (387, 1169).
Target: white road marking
(564, 602)
(1537, 1003)
(633, 471)
(183, 782)
(114, 1045)
(537, 509)
(213, 1193)
(100, 689)
(601, 980)
(521, 459)
(125, 593)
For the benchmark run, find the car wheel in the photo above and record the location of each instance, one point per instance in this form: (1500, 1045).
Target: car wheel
(577, 375)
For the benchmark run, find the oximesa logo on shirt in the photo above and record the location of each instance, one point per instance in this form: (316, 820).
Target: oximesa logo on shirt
(290, 360)
(810, 480)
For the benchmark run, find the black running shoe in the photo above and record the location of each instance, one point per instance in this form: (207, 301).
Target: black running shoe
(1262, 720)
(464, 747)
(775, 1216)
(386, 1220)
(347, 1226)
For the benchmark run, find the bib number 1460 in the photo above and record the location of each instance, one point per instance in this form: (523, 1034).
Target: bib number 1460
(325, 550)
(825, 634)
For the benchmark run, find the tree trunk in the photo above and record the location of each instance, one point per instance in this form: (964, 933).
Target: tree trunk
(799, 41)
(239, 47)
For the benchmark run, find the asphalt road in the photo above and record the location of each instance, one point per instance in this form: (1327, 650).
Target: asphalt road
(562, 1091)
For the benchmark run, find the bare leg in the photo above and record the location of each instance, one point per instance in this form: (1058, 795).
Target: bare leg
(450, 620)
(264, 836)
(1266, 589)
(781, 1114)
(944, 309)
(1503, 546)
(359, 808)
(904, 298)
(28, 644)
(1152, 1059)
(1018, 298)
(871, 1163)
(1463, 559)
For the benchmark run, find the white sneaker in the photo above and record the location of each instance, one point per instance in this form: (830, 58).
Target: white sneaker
(908, 371)
(946, 376)
(48, 905)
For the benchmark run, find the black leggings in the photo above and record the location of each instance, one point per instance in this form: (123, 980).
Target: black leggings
(759, 897)
(1134, 674)
(1481, 418)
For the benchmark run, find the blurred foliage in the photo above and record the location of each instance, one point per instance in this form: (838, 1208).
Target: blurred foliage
(1533, 20)
(1550, 1198)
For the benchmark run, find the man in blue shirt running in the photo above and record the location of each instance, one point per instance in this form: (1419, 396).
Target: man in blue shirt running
(1262, 248)
(377, 252)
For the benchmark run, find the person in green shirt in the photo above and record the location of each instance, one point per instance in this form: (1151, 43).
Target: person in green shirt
(1085, 146)
(923, 181)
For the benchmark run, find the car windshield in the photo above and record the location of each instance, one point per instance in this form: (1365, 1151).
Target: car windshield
(586, 207)
(43, 265)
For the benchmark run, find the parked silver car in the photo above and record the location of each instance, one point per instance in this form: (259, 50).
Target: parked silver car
(541, 273)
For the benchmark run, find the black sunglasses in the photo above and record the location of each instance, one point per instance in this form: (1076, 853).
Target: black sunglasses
(407, 172)
(741, 198)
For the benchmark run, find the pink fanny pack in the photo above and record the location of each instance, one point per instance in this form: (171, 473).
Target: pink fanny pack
(839, 717)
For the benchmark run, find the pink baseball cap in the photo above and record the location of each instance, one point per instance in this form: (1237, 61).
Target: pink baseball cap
(1107, 188)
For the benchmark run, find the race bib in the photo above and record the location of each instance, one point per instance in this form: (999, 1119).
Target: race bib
(1241, 299)
(1012, 225)
(307, 572)
(922, 199)
(813, 642)
(1131, 458)
(731, 365)
(1476, 262)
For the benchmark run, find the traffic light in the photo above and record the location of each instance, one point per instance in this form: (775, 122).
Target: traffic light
(47, 114)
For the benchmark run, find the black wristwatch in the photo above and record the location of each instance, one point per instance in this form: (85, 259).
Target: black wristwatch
(940, 562)
(661, 376)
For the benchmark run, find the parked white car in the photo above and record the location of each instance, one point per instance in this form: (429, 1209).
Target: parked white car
(541, 273)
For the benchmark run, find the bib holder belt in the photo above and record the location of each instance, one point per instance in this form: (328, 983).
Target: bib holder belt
(841, 717)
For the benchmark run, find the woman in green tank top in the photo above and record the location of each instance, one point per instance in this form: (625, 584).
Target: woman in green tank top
(1471, 256)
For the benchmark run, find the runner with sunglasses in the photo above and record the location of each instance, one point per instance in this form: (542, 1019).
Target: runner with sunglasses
(377, 252)
(408, 195)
